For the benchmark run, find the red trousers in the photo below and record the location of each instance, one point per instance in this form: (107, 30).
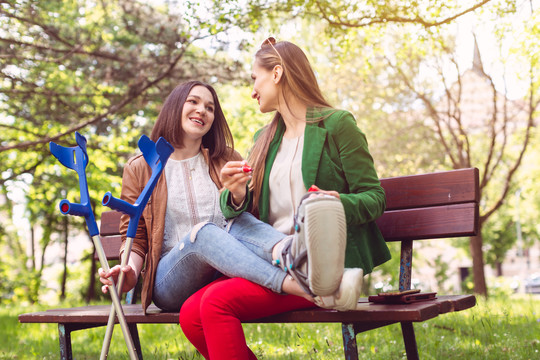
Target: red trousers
(212, 317)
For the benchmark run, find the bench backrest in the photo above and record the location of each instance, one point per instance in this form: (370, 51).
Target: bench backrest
(428, 206)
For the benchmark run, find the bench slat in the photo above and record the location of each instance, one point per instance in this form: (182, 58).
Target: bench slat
(429, 223)
(110, 221)
(440, 188)
(111, 247)
(366, 313)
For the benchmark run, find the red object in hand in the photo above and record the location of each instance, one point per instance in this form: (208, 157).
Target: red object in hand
(313, 188)
(247, 168)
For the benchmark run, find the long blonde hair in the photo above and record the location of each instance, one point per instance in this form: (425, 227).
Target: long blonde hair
(298, 80)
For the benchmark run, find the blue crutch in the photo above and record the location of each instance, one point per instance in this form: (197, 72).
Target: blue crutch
(156, 155)
(76, 158)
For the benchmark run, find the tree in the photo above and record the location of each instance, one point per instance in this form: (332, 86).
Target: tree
(353, 14)
(100, 68)
(478, 127)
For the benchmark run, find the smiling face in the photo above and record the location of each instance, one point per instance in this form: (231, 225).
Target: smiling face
(265, 88)
(198, 113)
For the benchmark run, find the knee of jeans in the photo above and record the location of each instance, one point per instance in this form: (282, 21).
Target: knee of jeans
(242, 220)
(196, 229)
(247, 216)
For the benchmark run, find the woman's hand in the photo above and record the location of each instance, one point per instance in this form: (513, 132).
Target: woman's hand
(234, 176)
(326, 192)
(130, 278)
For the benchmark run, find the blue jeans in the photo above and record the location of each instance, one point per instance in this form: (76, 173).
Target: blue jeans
(243, 250)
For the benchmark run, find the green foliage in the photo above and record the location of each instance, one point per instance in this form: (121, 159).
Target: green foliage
(102, 69)
(243, 115)
(500, 235)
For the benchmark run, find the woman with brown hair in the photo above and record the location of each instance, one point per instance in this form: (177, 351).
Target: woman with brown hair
(307, 145)
(181, 238)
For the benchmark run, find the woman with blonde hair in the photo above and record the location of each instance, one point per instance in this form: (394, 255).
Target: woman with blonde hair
(307, 145)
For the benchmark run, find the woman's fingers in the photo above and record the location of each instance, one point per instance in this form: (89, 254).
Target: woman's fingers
(233, 168)
(319, 191)
(234, 176)
(105, 276)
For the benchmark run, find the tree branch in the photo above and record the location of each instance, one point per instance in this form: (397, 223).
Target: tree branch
(77, 49)
(530, 125)
(133, 93)
(27, 170)
(368, 21)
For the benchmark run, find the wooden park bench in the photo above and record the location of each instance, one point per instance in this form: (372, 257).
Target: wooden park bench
(426, 206)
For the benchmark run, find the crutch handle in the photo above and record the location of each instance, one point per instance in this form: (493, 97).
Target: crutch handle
(118, 204)
(76, 158)
(68, 208)
(134, 212)
(156, 155)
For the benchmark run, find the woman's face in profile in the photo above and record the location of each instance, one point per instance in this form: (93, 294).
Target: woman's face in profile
(265, 89)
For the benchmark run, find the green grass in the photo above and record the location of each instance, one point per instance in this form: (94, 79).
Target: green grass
(502, 328)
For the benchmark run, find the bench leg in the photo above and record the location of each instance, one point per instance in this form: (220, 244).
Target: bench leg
(410, 340)
(136, 341)
(349, 341)
(64, 336)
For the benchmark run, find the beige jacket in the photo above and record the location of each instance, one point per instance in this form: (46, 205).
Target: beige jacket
(149, 237)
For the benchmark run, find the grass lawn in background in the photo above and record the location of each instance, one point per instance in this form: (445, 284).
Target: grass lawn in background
(499, 328)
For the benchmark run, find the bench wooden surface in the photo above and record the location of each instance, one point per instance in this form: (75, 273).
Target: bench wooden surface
(426, 206)
(366, 312)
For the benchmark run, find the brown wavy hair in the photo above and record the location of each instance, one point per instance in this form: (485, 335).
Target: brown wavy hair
(218, 139)
(298, 80)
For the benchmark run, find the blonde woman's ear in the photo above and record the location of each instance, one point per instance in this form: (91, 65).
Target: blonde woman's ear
(277, 72)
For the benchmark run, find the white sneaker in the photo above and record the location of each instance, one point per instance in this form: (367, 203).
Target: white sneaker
(346, 297)
(315, 255)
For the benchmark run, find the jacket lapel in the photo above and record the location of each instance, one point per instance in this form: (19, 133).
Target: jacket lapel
(314, 139)
(264, 202)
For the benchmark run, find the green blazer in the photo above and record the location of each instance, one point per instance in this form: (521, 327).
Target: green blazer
(335, 157)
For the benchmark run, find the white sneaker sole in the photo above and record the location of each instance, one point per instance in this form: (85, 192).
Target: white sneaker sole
(350, 289)
(346, 298)
(325, 240)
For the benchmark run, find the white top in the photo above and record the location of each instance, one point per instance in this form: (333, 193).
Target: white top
(192, 197)
(286, 184)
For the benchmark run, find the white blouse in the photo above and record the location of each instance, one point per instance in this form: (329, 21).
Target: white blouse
(192, 197)
(286, 184)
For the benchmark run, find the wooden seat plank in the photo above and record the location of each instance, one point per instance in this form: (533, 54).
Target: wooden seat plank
(365, 312)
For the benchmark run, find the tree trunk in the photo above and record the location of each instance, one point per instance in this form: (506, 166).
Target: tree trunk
(498, 268)
(33, 247)
(480, 287)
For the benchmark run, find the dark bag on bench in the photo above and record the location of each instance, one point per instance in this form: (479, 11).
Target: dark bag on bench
(402, 297)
